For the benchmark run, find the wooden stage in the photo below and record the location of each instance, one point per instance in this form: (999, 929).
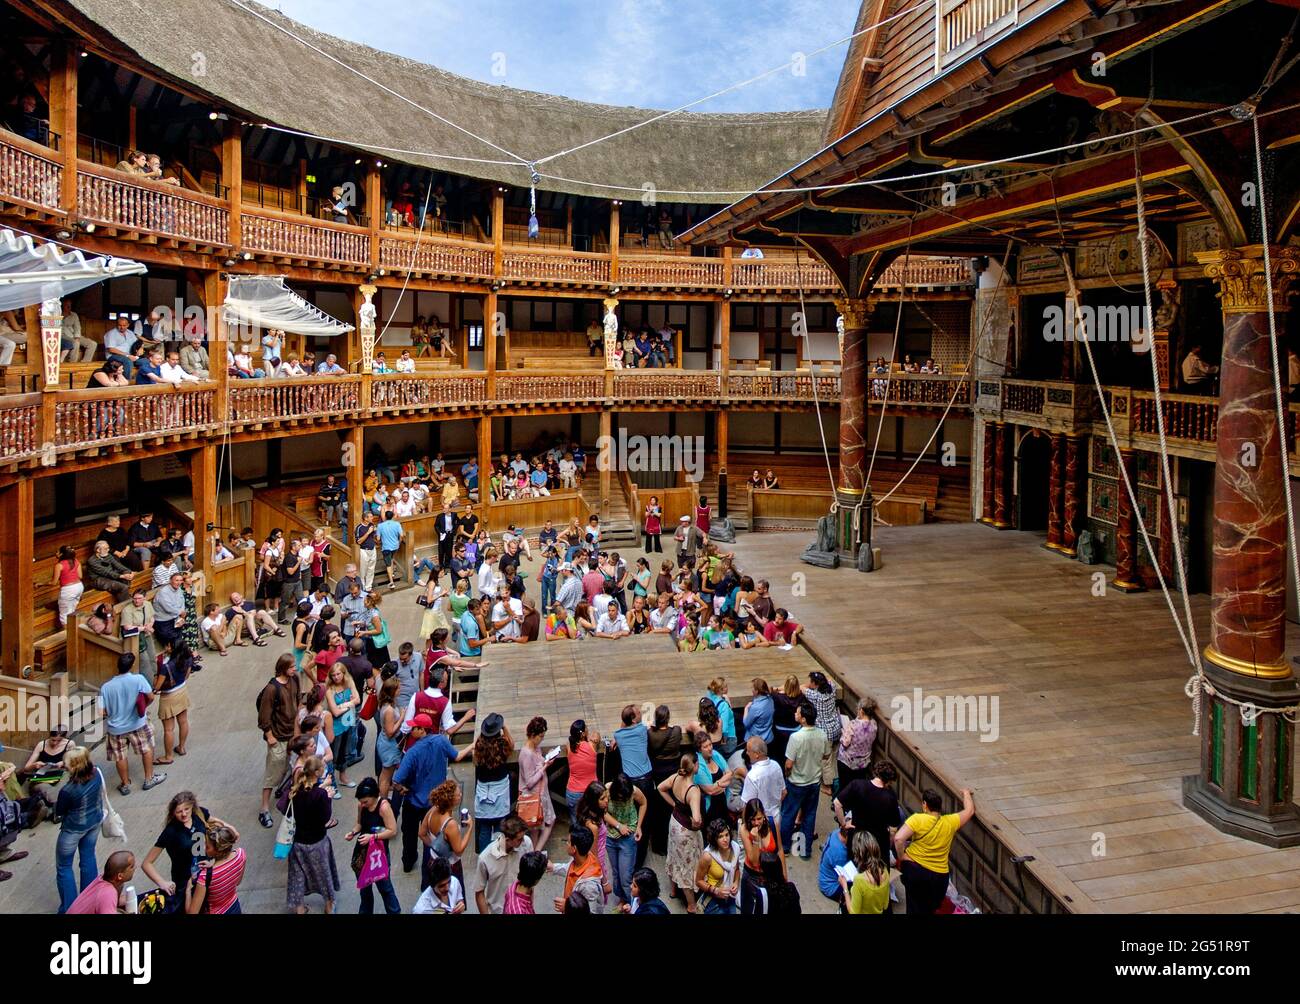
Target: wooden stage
(596, 678)
(1094, 728)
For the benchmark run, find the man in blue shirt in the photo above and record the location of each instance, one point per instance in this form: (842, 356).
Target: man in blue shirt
(632, 743)
(835, 854)
(390, 539)
(128, 729)
(423, 768)
(469, 474)
(550, 579)
(471, 640)
(149, 369)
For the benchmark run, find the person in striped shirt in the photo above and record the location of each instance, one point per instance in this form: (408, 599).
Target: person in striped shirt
(215, 888)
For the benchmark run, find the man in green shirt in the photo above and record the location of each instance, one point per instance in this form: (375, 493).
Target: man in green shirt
(803, 768)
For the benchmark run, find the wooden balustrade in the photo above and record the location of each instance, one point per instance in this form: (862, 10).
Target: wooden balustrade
(403, 392)
(913, 388)
(436, 256)
(28, 172)
(783, 386)
(670, 270)
(271, 399)
(927, 271)
(659, 385)
(142, 206)
(763, 274)
(1185, 416)
(963, 21)
(19, 422)
(555, 266)
(84, 418)
(1023, 397)
(556, 387)
(298, 237)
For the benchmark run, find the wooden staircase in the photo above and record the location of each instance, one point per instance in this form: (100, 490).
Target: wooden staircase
(619, 529)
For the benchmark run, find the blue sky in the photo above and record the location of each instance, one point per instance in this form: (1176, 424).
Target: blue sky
(648, 53)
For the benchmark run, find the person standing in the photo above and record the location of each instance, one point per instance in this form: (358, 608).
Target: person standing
(215, 887)
(922, 846)
(633, 743)
(277, 720)
(534, 791)
(803, 767)
(67, 576)
(445, 526)
(654, 515)
(367, 543)
(311, 861)
(128, 727)
(423, 768)
(499, 862)
(80, 808)
(375, 822)
(390, 539)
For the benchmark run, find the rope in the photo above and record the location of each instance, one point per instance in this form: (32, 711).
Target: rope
(415, 248)
(893, 354)
(817, 405)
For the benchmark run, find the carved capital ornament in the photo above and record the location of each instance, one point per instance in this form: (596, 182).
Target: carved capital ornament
(1239, 274)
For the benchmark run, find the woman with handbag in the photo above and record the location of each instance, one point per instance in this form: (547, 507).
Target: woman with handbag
(534, 806)
(342, 701)
(311, 858)
(81, 809)
(388, 716)
(375, 632)
(375, 823)
(491, 755)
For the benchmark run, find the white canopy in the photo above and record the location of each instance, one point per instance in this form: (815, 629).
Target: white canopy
(32, 273)
(264, 302)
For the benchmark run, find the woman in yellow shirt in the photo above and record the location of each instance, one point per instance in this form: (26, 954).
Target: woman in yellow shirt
(869, 890)
(922, 846)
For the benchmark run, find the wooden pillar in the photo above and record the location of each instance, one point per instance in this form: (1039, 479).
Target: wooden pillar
(64, 62)
(484, 433)
(615, 238)
(1056, 492)
(214, 295)
(17, 598)
(1126, 532)
(132, 130)
(232, 176)
(722, 462)
(1003, 452)
(568, 225)
(724, 343)
(490, 336)
(606, 424)
(374, 211)
(498, 236)
(354, 462)
(301, 188)
(1076, 490)
(203, 497)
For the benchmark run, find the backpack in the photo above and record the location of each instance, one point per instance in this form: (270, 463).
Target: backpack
(11, 817)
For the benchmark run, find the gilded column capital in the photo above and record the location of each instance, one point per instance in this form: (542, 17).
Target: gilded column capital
(855, 311)
(1239, 274)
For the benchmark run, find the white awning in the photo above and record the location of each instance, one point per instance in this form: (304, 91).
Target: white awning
(259, 303)
(31, 273)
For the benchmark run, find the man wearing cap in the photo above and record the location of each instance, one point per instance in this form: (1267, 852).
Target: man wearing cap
(423, 768)
(688, 539)
(499, 863)
(569, 592)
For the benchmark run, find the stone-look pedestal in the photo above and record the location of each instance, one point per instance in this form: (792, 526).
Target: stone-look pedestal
(1126, 531)
(1056, 493)
(1075, 492)
(1004, 450)
(851, 490)
(986, 485)
(1245, 783)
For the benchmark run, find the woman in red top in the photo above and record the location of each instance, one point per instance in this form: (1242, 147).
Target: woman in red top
(215, 889)
(582, 765)
(654, 516)
(67, 576)
(758, 836)
(702, 513)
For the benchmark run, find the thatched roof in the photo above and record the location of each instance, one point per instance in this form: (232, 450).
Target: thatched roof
(252, 66)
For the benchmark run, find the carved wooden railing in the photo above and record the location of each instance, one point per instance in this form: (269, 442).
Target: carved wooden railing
(440, 257)
(19, 425)
(964, 23)
(1023, 397)
(763, 274)
(401, 391)
(660, 385)
(913, 388)
(555, 266)
(271, 399)
(28, 172)
(557, 386)
(670, 270)
(1186, 416)
(93, 417)
(298, 237)
(795, 386)
(926, 271)
(122, 200)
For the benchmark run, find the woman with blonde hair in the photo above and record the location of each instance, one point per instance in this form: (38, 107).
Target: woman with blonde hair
(342, 702)
(80, 808)
(375, 632)
(388, 717)
(311, 861)
(215, 889)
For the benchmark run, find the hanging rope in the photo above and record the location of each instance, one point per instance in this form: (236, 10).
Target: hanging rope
(415, 249)
(893, 355)
(817, 405)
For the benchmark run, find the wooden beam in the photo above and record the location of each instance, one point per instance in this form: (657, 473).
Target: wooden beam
(64, 63)
(606, 423)
(483, 430)
(232, 175)
(203, 496)
(615, 238)
(18, 598)
(490, 335)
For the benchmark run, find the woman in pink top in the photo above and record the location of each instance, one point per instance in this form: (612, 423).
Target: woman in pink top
(67, 576)
(215, 889)
(702, 514)
(582, 765)
(519, 897)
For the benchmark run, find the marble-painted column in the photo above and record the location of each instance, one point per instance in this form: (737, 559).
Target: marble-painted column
(1004, 452)
(853, 527)
(1246, 780)
(1076, 488)
(1056, 492)
(1126, 531)
(986, 483)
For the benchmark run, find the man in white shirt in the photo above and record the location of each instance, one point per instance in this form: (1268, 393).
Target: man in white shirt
(568, 472)
(1195, 369)
(404, 507)
(764, 781)
(663, 618)
(173, 372)
(10, 338)
(507, 616)
(405, 364)
(612, 623)
(519, 465)
(76, 346)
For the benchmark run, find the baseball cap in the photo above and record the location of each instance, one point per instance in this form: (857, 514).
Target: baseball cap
(685, 519)
(422, 722)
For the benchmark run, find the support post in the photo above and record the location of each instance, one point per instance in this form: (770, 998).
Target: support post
(214, 295)
(852, 494)
(64, 56)
(484, 432)
(615, 238)
(606, 424)
(1076, 487)
(1056, 492)
(990, 472)
(354, 462)
(232, 176)
(1126, 533)
(203, 498)
(17, 598)
(490, 336)
(723, 425)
